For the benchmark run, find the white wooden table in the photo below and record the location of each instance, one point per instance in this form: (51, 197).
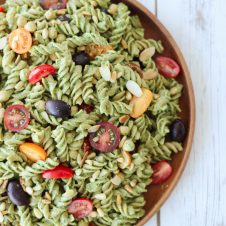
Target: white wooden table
(199, 27)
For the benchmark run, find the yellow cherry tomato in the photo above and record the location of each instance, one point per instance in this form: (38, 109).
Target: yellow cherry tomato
(141, 104)
(33, 152)
(20, 41)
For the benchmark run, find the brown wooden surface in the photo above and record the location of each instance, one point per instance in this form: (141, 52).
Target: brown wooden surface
(157, 195)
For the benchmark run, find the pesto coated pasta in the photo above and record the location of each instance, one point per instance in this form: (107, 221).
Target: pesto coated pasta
(87, 113)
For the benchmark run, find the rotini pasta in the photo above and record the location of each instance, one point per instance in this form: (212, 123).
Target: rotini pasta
(89, 147)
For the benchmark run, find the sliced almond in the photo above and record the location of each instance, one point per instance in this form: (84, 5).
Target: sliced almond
(101, 196)
(134, 88)
(29, 190)
(147, 54)
(128, 188)
(105, 73)
(85, 13)
(116, 180)
(3, 42)
(113, 76)
(89, 162)
(61, 11)
(100, 212)
(124, 44)
(46, 201)
(94, 129)
(124, 118)
(150, 74)
(118, 199)
(127, 157)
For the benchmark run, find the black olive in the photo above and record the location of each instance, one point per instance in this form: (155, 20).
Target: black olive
(105, 11)
(16, 193)
(58, 108)
(81, 58)
(64, 18)
(177, 131)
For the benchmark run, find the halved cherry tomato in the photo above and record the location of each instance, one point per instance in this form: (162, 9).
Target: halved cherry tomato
(40, 72)
(106, 139)
(20, 41)
(86, 145)
(1, 9)
(87, 108)
(162, 171)
(60, 172)
(33, 152)
(80, 207)
(16, 117)
(53, 4)
(167, 67)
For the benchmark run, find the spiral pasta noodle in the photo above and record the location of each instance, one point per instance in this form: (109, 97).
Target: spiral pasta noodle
(80, 61)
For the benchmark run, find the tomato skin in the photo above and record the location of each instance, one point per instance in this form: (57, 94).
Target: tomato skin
(87, 108)
(20, 41)
(162, 171)
(53, 4)
(60, 172)
(10, 119)
(167, 67)
(80, 207)
(1, 9)
(33, 152)
(102, 144)
(40, 72)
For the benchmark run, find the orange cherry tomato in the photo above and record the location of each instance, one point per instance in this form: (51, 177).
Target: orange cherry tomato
(33, 152)
(20, 41)
(141, 104)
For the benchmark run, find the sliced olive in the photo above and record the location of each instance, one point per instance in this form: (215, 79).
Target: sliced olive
(58, 108)
(81, 58)
(177, 131)
(16, 193)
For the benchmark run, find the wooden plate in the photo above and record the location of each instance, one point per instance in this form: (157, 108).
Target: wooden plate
(157, 195)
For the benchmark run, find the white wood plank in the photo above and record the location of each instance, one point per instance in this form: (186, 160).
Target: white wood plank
(199, 28)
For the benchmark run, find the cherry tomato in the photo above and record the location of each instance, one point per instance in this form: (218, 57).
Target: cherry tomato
(87, 108)
(162, 171)
(33, 152)
(20, 41)
(16, 117)
(53, 4)
(40, 72)
(80, 207)
(60, 172)
(106, 139)
(86, 145)
(1, 9)
(167, 67)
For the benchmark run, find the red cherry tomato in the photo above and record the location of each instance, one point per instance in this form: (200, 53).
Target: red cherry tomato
(80, 208)
(106, 139)
(86, 145)
(162, 171)
(16, 117)
(40, 72)
(87, 108)
(53, 4)
(60, 172)
(167, 67)
(1, 9)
